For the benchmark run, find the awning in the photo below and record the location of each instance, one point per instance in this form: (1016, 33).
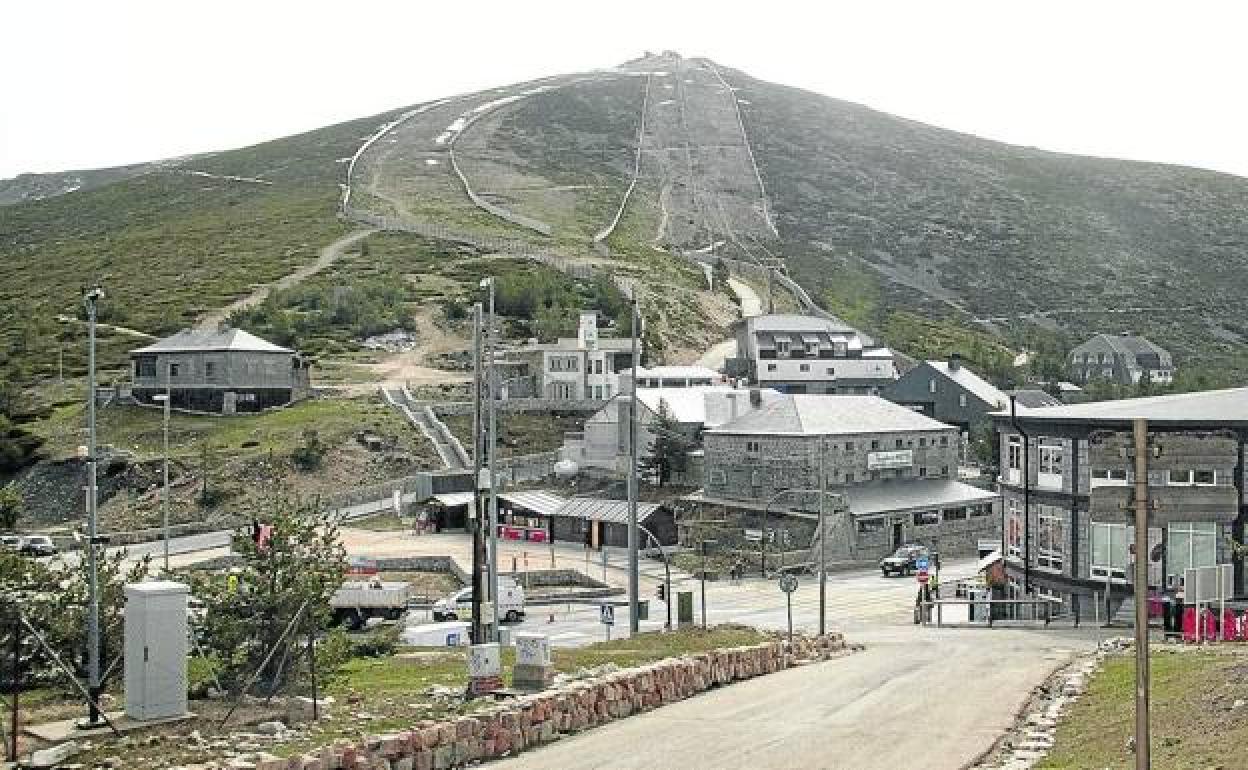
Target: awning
(539, 501)
(452, 499)
(916, 494)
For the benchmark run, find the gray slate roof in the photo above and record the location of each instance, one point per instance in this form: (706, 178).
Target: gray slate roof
(1129, 344)
(813, 414)
(1032, 398)
(537, 500)
(197, 340)
(792, 322)
(1228, 406)
(917, 494)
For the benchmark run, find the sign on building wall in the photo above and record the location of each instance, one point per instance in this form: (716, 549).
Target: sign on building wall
(902, 458)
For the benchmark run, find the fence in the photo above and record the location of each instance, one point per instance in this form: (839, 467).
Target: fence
(605, 232)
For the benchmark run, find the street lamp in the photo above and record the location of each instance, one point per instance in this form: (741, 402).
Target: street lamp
(166, 398)
(488, 283)
(92, 298)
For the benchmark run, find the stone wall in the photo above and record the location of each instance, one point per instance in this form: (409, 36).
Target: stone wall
(534, 720)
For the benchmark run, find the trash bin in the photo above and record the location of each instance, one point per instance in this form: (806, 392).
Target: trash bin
(684, 608)
(643, 609)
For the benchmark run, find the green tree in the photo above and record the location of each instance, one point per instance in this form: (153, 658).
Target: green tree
(668, 452)
(286, 580)
(309, 455)
(11, 505)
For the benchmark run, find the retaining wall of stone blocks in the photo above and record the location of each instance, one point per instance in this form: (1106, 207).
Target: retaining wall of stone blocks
(533, 720)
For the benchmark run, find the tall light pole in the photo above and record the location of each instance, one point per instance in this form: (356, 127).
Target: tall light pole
(164, 498)
(92, 298)
(490, 344)
(478, 534)
(823, 543)
(1142, 748)
(634, 618)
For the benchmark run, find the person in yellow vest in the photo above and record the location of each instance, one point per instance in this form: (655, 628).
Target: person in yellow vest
(933, 582)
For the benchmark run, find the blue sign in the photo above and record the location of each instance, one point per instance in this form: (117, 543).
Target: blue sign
(607, 615)
(921, 563)
(452, 640)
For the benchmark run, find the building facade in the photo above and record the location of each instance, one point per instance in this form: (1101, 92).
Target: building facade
(894, 469)
(671, 377)
(1124, 359)
(1066, 483)
(586, 367)
(947, 391)
(806, 354)
(226, 372)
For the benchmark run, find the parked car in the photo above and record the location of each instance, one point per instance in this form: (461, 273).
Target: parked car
(904, 560)
(13, 542)
(38, 545)
(459, 604)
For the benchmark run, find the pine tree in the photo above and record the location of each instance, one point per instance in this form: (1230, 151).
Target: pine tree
(666, 454)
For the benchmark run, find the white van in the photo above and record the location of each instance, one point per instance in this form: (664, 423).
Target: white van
(459, 604)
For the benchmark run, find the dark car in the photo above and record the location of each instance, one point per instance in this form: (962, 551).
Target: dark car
(905, 559)
(38, 545)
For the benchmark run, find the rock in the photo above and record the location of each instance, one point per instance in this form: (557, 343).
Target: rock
(53, 756)
(271, 728)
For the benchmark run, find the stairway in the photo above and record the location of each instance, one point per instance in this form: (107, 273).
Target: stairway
(449, 449)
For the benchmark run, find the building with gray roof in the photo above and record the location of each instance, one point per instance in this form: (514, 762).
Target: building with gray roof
(220, 371)
(1066, 479)
(808, 354)
(894, 469)
(1123, 358)
(947, 391)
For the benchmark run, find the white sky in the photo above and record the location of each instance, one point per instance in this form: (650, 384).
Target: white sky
(91, 83)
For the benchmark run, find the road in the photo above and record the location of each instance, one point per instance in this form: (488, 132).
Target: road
(751, 305)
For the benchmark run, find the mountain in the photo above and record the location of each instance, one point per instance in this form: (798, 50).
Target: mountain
(37, 187)
(926, 237)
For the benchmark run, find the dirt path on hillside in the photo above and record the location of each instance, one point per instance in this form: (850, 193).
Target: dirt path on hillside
(751, 305)
(413, 366)
(328, 256)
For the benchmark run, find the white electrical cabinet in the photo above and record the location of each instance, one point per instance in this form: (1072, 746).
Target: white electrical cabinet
(156, 649)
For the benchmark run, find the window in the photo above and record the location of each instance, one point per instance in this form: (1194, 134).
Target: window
(875, 475)
(1179, 477)
(925, 518)
(849, 478)
(752, 447)
(900, 443)
(1191, 544)
(718, 476)
(922, 471)
(954, 514)
(962, 400)
(944, 441)
(771, 367)
(1111, 477)
(174, 370)
(1108, 551)
(1014, 459)
(1050, 475)
(598, 366)
(803, 367)
(922, 442)
(1206, 478)
(782, 347)
(875, 444)
(1050, 540)
(849, 446)
(831, 371)
(598, 391)
(756, 478)
(981, 510)
(944, 470)
(870, 526)
(1014, 530)
(146, 366)
(931, 386)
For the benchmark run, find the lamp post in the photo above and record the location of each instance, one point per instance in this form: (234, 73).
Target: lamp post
(92, 298)
(164, 496)
(634, 619)
(478, 539)
(493, 451)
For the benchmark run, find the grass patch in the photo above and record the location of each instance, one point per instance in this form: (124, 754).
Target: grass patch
(1194, 722)
(521, 433)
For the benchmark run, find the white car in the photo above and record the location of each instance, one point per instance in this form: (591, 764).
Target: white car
(459, 604)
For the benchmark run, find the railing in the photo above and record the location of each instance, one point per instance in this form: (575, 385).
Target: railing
(1042, 609)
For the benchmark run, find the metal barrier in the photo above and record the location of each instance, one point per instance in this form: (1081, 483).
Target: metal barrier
(1036, 605)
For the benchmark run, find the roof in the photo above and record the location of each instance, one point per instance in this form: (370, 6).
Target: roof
(1034, 398)
(1207, 407)
(197, 340)
(700, 404)
(974, 384)
(792, 322)
(537, 500)
(915, 494)
(677, 372)
(806, 414)
(453, 499)
(599, 509)
(1129, 344)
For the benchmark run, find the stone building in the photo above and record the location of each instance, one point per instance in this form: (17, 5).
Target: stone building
(1065, 479)
(1124, 359)
(806, 354)
(224, 371)
(947, 391)
(894, 469)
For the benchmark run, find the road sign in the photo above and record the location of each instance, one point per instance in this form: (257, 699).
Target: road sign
(922, 564)
(606, 613)
(788, 583)
(922, 576)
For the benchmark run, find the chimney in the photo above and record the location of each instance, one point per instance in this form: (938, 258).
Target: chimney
(756, 398)
(955, 361)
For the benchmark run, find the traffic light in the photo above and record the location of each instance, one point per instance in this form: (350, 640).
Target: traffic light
(661, 592)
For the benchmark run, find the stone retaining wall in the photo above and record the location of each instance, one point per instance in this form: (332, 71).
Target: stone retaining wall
(534, 720)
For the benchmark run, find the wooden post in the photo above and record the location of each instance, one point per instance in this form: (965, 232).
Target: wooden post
(1142, 758)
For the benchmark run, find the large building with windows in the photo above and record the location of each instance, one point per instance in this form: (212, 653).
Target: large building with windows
(807, 354)
(1065, 486)
(894, 470)
(586, 367)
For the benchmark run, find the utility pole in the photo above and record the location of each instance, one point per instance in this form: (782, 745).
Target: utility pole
(823, 543)
(634, 619)
(93, 296)
(490, 382)
(1142, 748)
(164, 498)
(477, 532)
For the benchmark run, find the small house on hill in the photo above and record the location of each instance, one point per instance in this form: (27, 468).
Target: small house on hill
(225, 371)
(947, 391)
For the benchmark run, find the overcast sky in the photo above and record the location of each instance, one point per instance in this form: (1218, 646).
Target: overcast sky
(89, 84)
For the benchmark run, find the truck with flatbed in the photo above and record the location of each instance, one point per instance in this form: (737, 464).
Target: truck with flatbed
(356, 601)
